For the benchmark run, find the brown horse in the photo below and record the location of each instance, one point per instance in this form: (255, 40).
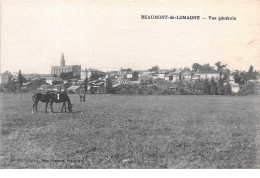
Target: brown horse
(51, 97)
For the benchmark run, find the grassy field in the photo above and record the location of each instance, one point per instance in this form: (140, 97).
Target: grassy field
(113, 131)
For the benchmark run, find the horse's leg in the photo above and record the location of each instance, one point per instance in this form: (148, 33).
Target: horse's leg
(33, 106)
(51, 103)
(46, 106)
(36, 106)
(65, 106)
(62, 107)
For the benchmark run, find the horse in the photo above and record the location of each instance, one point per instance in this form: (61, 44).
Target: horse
(51, 97)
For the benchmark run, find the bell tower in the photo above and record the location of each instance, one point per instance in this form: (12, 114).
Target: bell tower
(62, 61)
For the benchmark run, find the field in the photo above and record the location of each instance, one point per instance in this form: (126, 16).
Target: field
(115, 131)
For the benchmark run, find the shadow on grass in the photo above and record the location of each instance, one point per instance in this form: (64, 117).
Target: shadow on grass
(56, 112)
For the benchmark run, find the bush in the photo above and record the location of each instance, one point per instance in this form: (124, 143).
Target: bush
(182, 89)
(246, 89)
(139, 90)
(150, 91)
(227, 89)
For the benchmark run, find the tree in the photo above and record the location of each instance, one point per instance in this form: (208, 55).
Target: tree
(86, 84)
(220, 67)
(206, 86)
(92, 89)
(237, 78)
(245, 77)
(66, 75)
(250, 72)
(227, 89)
(206, 68)
(135, 76)
(97, 74)
(220, 86)
(40, 81)
(154, 68)
(55, 75)
(10, 76)
(254, 75)
(213, 87)
(186, 69)
(196, 67)
(56, 82)
(21, 79)
(198, 85)
(109, 85)
(225, 73)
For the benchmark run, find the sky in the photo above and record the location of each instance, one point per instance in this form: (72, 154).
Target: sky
(108, 35)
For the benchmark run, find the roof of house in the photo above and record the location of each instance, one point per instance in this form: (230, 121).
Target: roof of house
(73, 87)
(168, 75)
(117, 84)
(135, 82)
(53, 78)
(161, 72)
(99, 83)
(59, 85)
(176, 72)
(206, 73)
(187, 73)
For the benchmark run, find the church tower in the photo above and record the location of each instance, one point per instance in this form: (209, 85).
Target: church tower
(62, 61)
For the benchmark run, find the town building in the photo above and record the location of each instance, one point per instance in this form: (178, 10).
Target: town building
(57, 70)
(123, 72)
(50, 80)
(176, 76)
(213, 75)
(147, 72)
(112, 74)
(168, 77)
(186, 76)
(129, 75)
(87, 73)
(155, 76)
(161, 75)
(202, 76)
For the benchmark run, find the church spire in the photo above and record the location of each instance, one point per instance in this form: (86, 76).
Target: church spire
(62, 61)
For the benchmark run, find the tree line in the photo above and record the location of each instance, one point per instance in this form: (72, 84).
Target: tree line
(208, 86)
